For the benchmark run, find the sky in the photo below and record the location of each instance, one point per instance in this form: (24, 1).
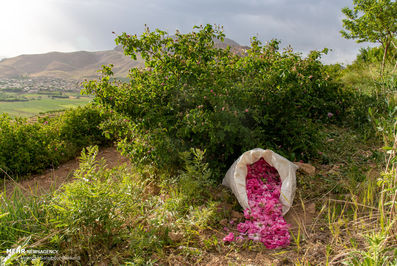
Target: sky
(41, 26)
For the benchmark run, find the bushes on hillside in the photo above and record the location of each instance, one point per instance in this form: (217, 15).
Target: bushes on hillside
(193, 94)
(27, 147)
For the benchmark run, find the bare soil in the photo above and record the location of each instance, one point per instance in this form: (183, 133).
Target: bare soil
(52, 179)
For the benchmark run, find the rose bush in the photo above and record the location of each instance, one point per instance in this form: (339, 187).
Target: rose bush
(192, 94)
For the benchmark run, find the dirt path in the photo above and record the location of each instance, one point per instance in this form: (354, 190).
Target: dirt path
(51, 179)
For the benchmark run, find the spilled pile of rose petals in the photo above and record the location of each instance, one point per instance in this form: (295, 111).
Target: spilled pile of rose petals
(264, 220)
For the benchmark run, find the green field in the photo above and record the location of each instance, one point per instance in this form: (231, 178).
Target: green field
(43, 105)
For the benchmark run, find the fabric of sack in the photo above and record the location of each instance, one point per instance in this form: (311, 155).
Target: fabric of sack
(235, 177)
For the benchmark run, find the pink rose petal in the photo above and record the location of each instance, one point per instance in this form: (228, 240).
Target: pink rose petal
(264, 220)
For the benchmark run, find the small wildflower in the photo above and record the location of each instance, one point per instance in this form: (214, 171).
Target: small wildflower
(330, 115)
(229, 237)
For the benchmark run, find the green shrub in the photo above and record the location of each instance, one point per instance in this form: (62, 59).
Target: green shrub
(194, 180)
(109, 215)
(193, 94)
(25, 147)
(28, 147)
(81, 127)
(102, 209)
(190, 207)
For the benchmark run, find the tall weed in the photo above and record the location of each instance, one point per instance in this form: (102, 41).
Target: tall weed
(100, 210)
(21, 217)
(364, 230)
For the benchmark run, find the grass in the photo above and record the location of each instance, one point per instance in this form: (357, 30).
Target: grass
(366, 78)
(138, 216)
(22, 221)
(43, 105)
(355, 187)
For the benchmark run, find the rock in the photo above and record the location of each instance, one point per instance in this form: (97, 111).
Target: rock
(306, 168)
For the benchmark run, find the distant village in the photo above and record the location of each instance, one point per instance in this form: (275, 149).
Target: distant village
(39, 84)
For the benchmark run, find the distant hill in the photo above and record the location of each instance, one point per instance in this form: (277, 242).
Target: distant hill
(76, 65)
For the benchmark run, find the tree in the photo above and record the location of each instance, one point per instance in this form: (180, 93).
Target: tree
(372, 21)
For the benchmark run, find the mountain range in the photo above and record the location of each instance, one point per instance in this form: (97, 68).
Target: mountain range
(76, 65)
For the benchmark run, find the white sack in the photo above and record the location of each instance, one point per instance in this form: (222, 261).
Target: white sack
(235, 177)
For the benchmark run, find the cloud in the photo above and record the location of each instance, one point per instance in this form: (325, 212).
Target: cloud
(88, 25)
